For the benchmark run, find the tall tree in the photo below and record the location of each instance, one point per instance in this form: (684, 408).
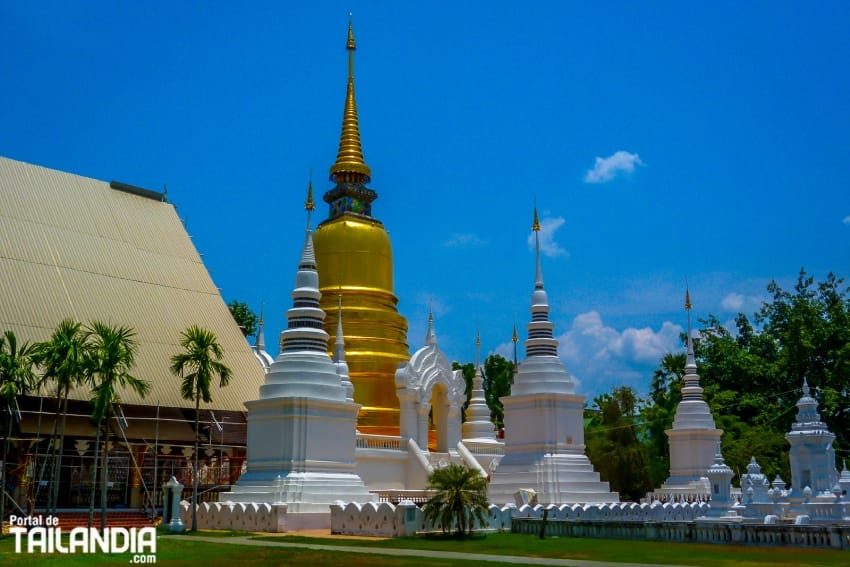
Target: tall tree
(614, 446)
(244, 317)
(196, 366)
(16, 379)
(752, 371)
(63, 362)
(460, 498)
(498, 377)
(112, 355)
(657, 416)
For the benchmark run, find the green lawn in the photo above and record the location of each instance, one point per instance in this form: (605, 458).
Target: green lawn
(709, 555)
(185, 551)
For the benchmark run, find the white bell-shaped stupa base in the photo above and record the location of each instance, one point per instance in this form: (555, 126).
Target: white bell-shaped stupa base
(544, 452)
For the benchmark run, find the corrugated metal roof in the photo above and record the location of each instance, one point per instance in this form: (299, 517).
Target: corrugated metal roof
(71, 246)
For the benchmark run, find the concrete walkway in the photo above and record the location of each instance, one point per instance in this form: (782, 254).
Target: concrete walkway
(245, 540)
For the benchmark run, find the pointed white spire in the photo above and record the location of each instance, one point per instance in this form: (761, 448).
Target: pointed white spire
(692, 411)
(260, 341)
(541, 340)
(430, 336)
(339, 356)
(478, 425)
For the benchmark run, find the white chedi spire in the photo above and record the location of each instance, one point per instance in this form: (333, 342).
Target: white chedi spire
(259, 347)
(303, 367)
(430, 335)
(542, 369)
(692, 411)
(339, 357)
(478, 425)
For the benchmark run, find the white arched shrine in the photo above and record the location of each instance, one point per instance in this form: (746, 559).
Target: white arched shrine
(428, 385)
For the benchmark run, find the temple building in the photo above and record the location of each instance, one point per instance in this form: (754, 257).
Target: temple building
(355, 263)
(77, 248)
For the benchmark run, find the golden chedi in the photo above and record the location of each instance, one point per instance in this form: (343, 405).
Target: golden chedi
(355, 264)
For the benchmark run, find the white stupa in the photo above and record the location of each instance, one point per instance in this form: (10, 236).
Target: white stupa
(259, 347)
(694, 438)
(812, 455)
(302, 429)
(544, 432)
(478, 426)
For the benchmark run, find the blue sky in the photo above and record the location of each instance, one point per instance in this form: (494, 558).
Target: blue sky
(662, 141)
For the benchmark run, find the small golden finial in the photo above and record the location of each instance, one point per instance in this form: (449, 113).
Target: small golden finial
(350, 43)
(687, 295)
(515, 338)
(309, 205)
(478, 337)
(536, 226)
(430, 313)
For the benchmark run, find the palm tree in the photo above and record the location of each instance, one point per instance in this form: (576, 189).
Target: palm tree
(16, 378)
(196, 367)
(63, 361)
(460, 499)
(112, 353)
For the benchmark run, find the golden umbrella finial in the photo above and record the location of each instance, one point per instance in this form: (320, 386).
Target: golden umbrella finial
(350, 165)
(536, 225)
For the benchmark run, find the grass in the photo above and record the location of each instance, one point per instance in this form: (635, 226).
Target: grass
(186, 551)
(649, 552)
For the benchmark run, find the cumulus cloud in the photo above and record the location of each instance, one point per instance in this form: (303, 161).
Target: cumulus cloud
(548, 246)
(606, 169)
(605, 356)
(846, 220)
(463, 240)
(732, 302)
(738, 302)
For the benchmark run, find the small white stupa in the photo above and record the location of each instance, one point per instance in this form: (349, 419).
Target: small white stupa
(812, 455)
(478, 426)
(694, 437)
(544, 428)
(259, 347)
(302, 429)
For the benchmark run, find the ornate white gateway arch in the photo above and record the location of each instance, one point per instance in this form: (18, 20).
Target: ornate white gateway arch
(427, 382)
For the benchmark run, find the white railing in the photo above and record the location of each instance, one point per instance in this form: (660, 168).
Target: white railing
(485, 449)
(388, 442)
(396, 496)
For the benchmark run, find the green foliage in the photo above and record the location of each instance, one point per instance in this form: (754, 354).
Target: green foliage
(752, 377)
(111, 356)
(16, 368)
(460, 499)
(613, 444)
(244, 317)
(498, 377)
(196, 366)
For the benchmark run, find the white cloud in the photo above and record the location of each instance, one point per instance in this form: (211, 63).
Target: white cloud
(548, 246)
(739, 303)
(463, 240)
(606, 169)
(606, 357)
(732, 302)
(846, 220)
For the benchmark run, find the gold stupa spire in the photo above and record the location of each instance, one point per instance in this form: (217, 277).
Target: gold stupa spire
(350, 165)
(309, 205)
(535, 226)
